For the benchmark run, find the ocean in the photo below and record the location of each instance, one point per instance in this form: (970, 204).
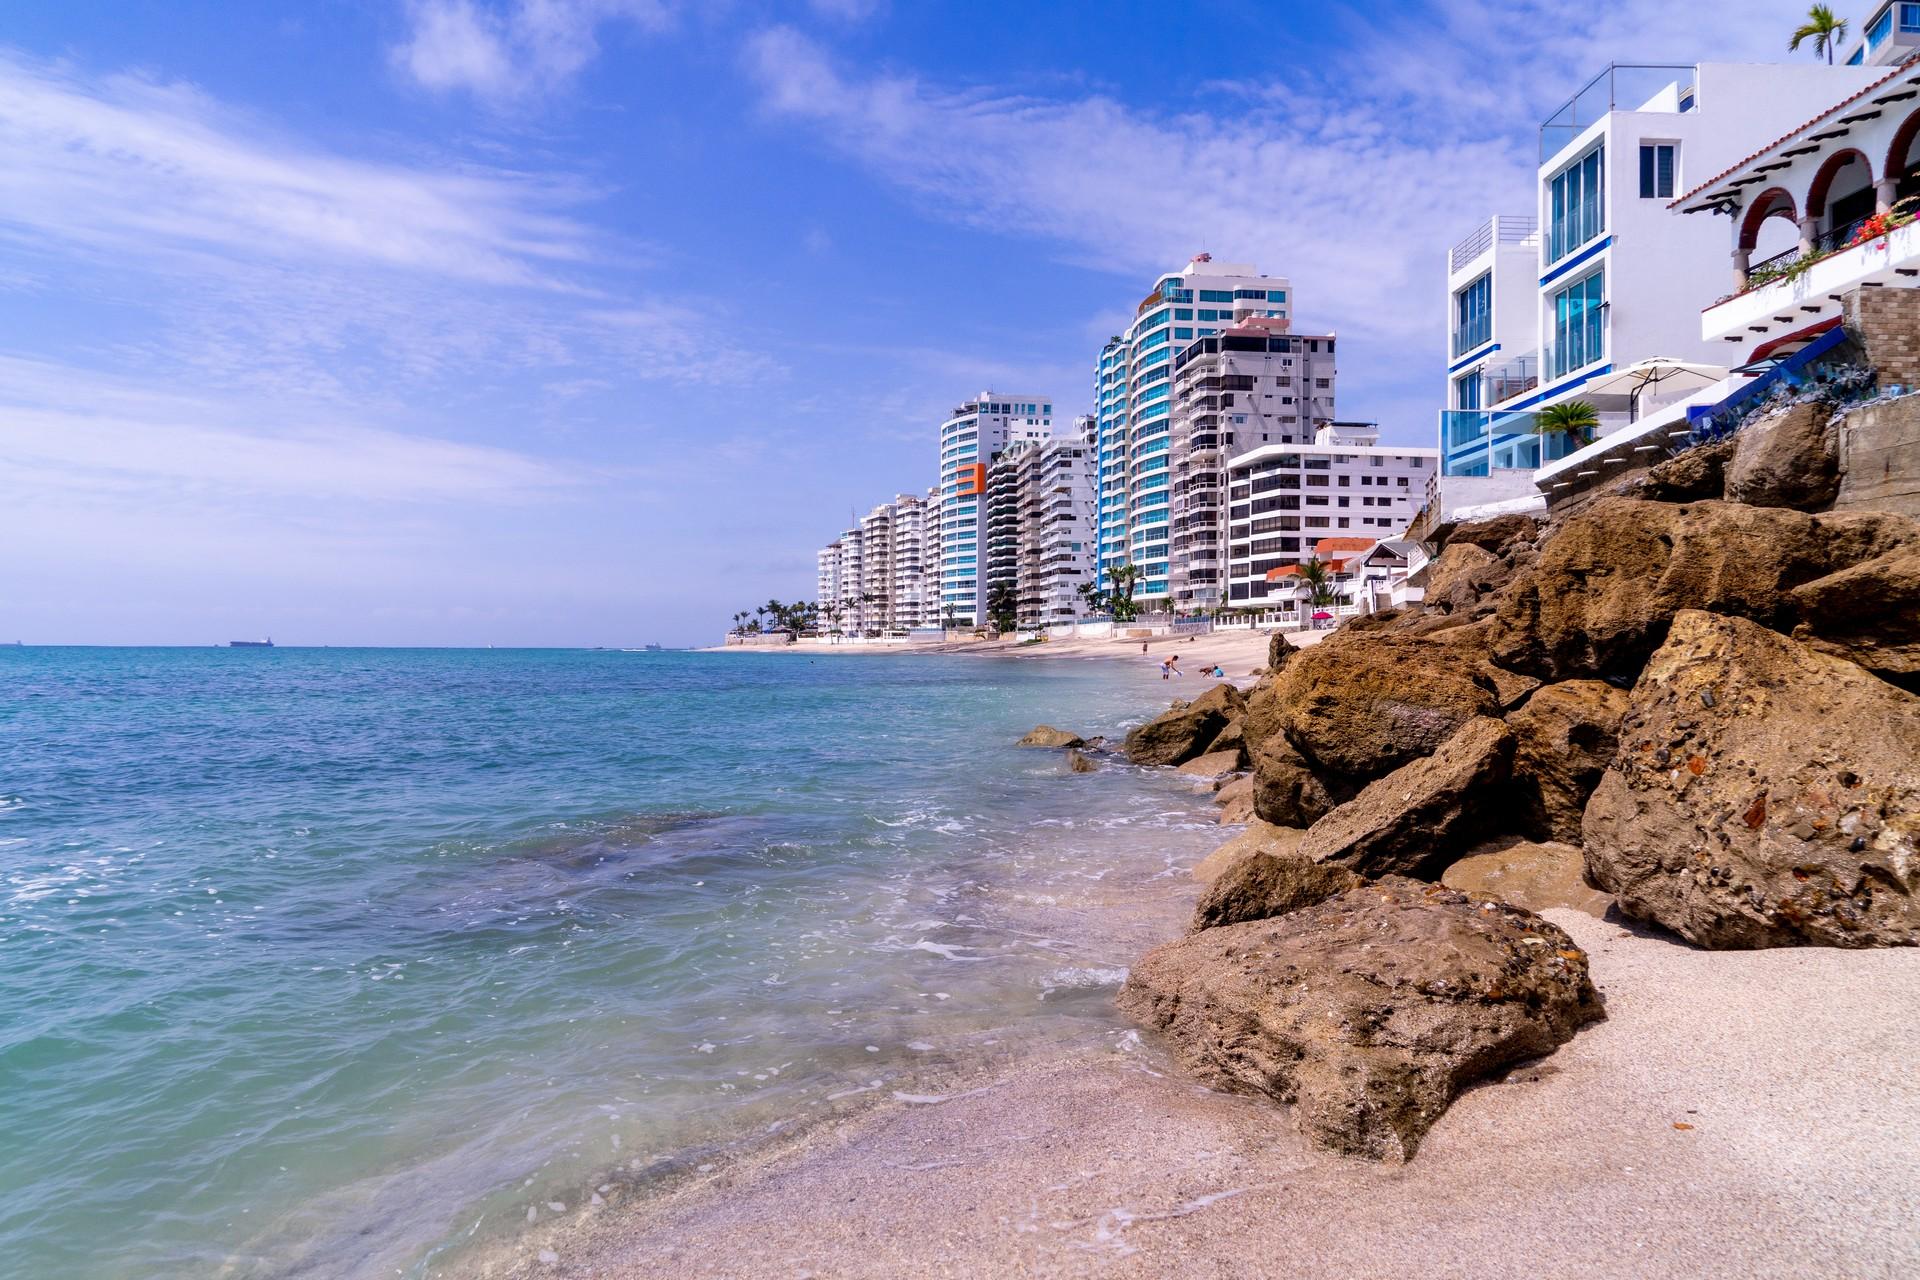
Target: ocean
(334, 962)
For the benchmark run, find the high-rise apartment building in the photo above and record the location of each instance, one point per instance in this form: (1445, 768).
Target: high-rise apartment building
(910, 597)
(1255, 383)
(1057, 519)
(972, 438)
(1133, 397)
(876, 568)
(1284, 499)
(875, 577)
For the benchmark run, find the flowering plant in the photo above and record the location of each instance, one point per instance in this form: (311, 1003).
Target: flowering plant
(1880, 224)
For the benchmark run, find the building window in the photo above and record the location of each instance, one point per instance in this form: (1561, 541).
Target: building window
(1579, 336)
(1909, 19)
(1577, 214)
(1879, 28)
(1656, 169)
(1473, 315)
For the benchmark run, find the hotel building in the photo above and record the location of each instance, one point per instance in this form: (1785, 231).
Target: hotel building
(1254, 383)
(1133, 398)
(1284, 500)
(974, 435)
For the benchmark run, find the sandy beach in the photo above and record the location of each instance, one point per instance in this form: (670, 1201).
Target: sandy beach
(1736, 1114)
(1237, 652)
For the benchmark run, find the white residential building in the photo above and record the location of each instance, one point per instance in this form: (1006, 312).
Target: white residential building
(1133, 398)
(973, 436)
(1800, 199)
(1058, 510)
(1288, 500)
(1254, 383)
(876, 568)
(1618, 280)
(914, 586)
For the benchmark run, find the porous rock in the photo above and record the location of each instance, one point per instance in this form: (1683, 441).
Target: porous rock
(1286, 790)
(1564, 740)
(1080, 762)
(1698, 473)
(1186, 729)
(1279, 650)
(1763, 795)
(1361, 706)
(1215, 764)
(1523, 873)
(1607, 583)
(1424, 814)
(1790, 459)
(1258, 837)
(1047, 736)
(1370, 1011)
(1236, 800)
(1268, 883)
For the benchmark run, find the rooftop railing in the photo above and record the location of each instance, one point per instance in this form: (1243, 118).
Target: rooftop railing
(1621, 87)
(1502, 228)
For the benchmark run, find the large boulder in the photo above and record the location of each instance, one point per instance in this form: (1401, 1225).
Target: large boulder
(1870, 613)
(1791, 459)
(1763, 795)
(1424, 814)
(1213, 765)
(1259, 837)
(1502, 535)
(1358, 707)
(1236, 800)
(1564, 740)
(1521, 873)
(1698, 473)
(1186, 730)
(1370, 1011)
(1462, 575)
(1268, 883)
(1286, 790)
(1047, 736)
(1606, 585)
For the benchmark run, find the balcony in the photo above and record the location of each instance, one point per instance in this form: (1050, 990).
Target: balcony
(1621, 87)
(1511, 379)
(1499, 229)
(1782, 305)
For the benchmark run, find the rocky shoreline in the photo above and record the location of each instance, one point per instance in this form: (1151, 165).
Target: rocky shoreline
(1690, 700)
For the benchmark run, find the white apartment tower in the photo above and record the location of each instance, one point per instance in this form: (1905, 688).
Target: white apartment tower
(974, 435)
(1253, 384)
(1058, 510)
(1286, 499)
(910, 597)
(1133, 405)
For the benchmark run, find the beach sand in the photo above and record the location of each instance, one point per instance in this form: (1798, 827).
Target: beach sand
(1238, 652)
(1792, 1067)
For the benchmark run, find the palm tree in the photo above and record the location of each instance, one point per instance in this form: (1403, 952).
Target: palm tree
(1319, 584)
(1121, 598)
(1575, 418)
(1821, 27)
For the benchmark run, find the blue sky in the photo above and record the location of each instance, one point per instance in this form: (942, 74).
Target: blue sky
(587, 321)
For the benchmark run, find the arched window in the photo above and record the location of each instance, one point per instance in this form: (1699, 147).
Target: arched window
(1769, 227)
(1841, 194)
(1903, 159)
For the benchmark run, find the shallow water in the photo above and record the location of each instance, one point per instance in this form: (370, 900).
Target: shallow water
(328, 962)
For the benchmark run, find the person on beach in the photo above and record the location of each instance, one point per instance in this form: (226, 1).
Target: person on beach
(1173, 664)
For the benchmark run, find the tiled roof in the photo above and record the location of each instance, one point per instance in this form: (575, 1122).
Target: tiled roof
(1793, 133)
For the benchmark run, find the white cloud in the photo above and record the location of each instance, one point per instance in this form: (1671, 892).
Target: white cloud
(131, 168)
(507, 53)
(847, 10)
(1351, 176)
(75, 432)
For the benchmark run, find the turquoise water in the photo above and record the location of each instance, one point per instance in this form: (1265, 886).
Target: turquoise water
(333, 962)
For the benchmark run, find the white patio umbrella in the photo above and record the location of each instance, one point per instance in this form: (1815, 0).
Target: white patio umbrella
(1653, 371)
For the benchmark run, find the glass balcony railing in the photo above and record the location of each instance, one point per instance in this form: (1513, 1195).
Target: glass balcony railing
(1620, 87)
(1510, 379)
(1474, 442)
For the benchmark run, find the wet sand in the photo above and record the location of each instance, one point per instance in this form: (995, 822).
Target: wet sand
(1793, 1069)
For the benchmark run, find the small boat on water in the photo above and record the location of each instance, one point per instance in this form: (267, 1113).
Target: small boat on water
(251, 644)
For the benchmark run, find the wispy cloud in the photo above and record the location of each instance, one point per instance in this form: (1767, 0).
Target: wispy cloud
(1350, 174)
(130, 168)
(508, 53)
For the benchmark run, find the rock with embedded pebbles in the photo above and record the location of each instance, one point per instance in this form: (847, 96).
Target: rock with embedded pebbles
(1424, 814)
(1763, 795)
(1370, 1011)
